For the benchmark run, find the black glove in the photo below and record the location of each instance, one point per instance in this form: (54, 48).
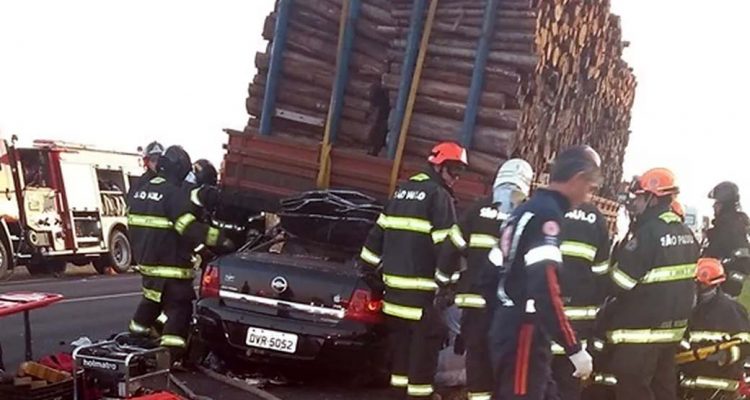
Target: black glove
(733, 285)
(444, 298)
(209, 197)
(459, 346)
(371, 275)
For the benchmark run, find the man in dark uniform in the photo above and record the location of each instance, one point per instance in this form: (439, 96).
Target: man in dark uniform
(201, 183)
(727, 240)
(529, 313)
(405, 240)
(585, 249)
(164, 232)
(715, 320)
(473, 237)
(652, 293)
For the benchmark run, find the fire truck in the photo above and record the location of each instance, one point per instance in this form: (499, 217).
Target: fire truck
(64, 203)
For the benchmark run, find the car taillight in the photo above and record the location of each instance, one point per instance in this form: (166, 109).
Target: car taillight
(364, 308)
(210, 282)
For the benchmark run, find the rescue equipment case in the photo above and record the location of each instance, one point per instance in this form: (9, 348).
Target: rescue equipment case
(120, 368)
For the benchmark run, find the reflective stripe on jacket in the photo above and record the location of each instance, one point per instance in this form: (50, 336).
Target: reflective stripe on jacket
(417, 220)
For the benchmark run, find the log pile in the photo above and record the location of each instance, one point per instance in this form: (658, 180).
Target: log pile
(554, 77)
(309, 67)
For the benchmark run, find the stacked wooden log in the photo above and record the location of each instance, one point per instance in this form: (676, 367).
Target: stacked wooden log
(309, 67)
(554, 77)
(581, 90)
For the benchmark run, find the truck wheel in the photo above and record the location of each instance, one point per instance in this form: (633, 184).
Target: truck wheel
(120, 255)
(5, 263)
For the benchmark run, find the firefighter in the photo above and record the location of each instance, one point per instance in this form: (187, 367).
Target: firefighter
(717, 319)
(201, 182)
(728, 237)
(164, 232)
(585, 249)
(151, 155)
(476, 233)
(405, 240)
(652, 292)
(529, 311)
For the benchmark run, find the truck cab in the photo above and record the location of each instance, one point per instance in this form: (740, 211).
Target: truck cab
(64, 202)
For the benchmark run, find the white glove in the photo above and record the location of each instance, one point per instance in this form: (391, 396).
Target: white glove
(583, 363)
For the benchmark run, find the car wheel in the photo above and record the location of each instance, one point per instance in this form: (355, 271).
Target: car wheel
(119, 257)
(5, 263)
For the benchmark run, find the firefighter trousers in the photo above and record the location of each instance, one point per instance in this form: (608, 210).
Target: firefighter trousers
(474, 327)
(644, 371)
(415, 346)
(568, 386)
(173, 297)
(525, 373)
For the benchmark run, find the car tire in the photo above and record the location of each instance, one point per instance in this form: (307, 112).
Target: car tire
(6, 269)
(119, 257)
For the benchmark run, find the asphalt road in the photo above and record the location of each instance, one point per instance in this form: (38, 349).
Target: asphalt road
(100, 306)
(94, 306)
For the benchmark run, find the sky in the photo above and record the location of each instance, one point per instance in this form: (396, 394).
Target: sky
(119, 74)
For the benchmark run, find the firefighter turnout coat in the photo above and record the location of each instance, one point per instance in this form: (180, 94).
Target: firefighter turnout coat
(717, 320)
(476, 233)
(728, 236)
(583, 275)
(164, 231)
(653, 278)
(406, 238)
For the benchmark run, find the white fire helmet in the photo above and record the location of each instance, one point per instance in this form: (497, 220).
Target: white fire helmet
(512, 185)
(517, 172)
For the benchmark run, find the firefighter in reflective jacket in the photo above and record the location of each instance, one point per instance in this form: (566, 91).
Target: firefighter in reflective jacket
(476, 233)
(164, 232)
(151, 155)
(585, 250)
(405, 240)
(529, 311)
(653, 292)
(716, 320)
(201, 181)
(727, 239)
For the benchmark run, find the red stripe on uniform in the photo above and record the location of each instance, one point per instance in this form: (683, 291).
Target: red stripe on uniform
(554, 294)
(522, 359)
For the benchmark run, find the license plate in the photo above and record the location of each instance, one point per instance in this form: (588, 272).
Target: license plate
(271, 340)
